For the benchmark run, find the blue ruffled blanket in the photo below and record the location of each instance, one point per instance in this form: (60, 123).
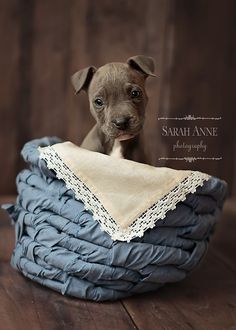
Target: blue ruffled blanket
(60, 245)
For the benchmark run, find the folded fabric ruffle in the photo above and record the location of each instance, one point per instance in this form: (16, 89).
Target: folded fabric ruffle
(60, 245)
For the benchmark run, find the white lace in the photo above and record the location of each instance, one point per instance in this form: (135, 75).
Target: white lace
(145, 221)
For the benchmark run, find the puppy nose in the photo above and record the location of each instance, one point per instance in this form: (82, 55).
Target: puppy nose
(121, 123)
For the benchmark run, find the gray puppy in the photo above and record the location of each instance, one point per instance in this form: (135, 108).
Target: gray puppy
(117, 100)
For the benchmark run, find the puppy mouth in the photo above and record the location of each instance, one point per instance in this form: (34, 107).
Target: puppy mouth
(122, 136)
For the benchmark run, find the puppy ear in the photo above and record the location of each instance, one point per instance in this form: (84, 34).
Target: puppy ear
(142, 63)
(81, 79)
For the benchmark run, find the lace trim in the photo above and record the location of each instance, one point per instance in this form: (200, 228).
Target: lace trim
(145, 221)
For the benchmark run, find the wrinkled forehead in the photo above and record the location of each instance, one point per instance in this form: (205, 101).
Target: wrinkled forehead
(114, 76)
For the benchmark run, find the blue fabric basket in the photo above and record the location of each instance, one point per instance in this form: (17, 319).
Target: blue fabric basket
(61, 246)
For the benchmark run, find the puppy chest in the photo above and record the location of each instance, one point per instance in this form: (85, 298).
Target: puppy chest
(116, 150)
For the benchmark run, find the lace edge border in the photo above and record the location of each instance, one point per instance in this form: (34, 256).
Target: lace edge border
(145, 221)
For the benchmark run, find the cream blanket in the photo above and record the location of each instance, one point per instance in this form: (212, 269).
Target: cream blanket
(126, 197)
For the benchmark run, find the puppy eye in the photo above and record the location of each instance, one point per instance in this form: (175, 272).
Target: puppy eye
(98, 102)
(135, 93)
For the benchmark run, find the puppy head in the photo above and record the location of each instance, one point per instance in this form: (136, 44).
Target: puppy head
(117, 95)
